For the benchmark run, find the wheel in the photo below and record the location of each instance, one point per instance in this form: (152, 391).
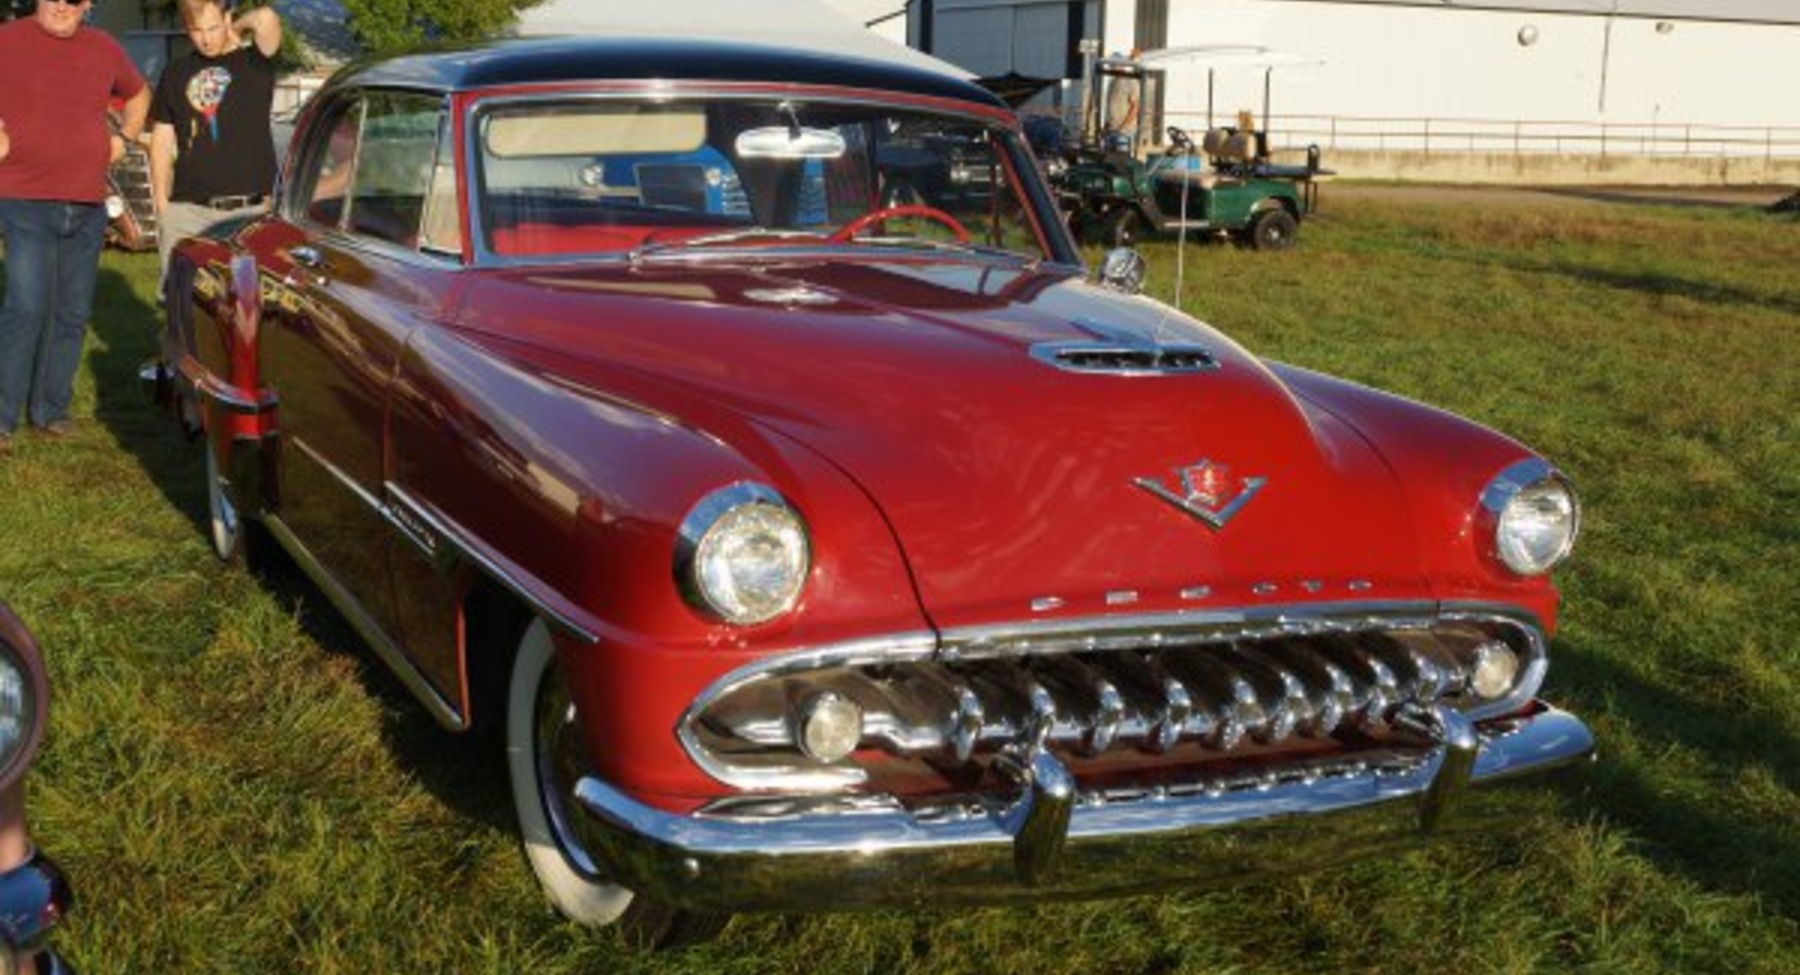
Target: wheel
(1124, 227)
(545, 758)
(1273, 230)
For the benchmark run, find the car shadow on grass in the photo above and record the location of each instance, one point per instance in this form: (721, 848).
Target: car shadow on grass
(460, 770)
(1703, 826)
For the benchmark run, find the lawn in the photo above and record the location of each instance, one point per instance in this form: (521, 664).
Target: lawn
(235, 786)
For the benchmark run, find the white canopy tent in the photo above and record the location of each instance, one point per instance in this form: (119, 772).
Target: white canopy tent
(806, 24)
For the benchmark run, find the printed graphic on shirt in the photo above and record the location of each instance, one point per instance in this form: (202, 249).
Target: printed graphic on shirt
(205, 91)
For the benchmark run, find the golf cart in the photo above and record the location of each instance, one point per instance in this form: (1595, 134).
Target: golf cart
(1224, 184)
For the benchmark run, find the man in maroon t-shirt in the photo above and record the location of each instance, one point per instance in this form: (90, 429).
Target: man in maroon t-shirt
(57, 76)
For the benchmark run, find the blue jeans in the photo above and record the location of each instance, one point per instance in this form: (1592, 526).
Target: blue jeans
(52, 259)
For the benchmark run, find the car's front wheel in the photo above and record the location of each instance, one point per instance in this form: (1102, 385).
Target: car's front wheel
(545, 758)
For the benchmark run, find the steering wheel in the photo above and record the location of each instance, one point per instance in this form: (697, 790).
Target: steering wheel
(849, 231)
(1179, 138)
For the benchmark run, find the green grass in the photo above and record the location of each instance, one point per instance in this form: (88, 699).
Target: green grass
(235, 787)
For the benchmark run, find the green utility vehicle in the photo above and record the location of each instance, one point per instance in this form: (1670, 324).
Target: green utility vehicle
(1115, 188)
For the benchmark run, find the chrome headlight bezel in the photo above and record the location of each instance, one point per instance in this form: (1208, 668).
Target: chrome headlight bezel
(1507, 505)
(21, 667)
(703, 552)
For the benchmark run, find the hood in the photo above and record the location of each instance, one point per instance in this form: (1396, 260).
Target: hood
(1019, 485)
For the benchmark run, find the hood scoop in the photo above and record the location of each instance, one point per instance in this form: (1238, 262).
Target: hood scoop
(1118, 352)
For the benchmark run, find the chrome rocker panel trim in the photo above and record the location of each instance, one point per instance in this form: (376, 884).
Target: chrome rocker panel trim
(1052, 843)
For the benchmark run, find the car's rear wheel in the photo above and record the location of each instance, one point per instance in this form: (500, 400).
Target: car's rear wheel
(545, 758)
(1273, 230)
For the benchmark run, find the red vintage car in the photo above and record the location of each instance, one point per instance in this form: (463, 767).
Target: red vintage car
(738, 427)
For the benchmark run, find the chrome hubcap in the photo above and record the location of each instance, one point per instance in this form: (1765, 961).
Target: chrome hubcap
(561, 761)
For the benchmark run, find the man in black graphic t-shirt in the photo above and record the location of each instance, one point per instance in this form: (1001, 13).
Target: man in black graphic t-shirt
(212, 156)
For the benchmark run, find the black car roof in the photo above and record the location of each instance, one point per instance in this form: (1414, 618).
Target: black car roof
(549, 60)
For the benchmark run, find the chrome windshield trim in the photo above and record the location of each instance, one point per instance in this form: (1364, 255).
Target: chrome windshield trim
(480, 105)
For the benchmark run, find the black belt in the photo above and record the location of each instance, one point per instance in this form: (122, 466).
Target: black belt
(234, 202)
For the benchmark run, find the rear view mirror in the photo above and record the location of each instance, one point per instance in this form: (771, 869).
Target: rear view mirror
(789, 142)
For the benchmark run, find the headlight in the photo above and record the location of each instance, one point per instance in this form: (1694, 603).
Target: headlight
(1532, 514)
(24, 695)
(742, 555)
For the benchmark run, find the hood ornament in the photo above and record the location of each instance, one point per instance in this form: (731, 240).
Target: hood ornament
(1206, 491)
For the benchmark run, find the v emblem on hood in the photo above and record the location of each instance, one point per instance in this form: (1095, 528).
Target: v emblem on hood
(1205, 490)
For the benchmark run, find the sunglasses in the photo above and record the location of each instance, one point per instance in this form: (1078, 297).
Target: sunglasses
(69, 3)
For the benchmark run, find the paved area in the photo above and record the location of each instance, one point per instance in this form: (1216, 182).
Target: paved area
(1703, 196)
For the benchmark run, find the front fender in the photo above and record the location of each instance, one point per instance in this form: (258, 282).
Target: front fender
(578, 493)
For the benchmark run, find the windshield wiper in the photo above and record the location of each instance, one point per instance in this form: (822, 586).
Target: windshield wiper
(724, 237)
(947, 246)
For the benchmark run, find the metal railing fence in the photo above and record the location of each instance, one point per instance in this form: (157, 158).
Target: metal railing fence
(1523, 137)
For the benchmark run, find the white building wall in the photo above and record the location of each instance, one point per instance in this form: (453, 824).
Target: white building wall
(1456, 63)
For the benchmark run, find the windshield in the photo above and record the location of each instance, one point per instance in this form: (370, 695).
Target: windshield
(641, 176)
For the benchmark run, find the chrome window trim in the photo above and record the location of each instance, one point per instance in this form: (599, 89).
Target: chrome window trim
(1095, 634)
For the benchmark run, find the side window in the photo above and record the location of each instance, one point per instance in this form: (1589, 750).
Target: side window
(324, 182)
(395, 164)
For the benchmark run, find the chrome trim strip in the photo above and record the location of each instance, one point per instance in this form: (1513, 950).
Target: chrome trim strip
(1120, 632)
(366, 626)
(460, 543)
(457, 542)
(195, 379)
(877, 853)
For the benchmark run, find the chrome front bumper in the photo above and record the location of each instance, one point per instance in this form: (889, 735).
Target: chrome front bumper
(1054, 842)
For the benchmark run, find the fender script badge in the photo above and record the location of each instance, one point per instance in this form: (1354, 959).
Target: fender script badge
(1207, 492)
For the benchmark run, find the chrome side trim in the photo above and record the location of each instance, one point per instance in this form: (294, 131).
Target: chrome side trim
(417, 521)
(443, 542)
(814, 854)
(366, 627)
(194, 378)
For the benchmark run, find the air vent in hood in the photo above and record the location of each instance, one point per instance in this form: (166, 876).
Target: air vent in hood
(1126, 361)
(1121, 352)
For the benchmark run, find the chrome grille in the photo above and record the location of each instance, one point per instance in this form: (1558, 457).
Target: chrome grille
(1256, 691)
